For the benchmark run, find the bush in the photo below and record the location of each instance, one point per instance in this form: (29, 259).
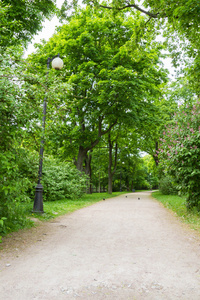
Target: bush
(18, 179)
(167, 186)
(61, 180)
(180, 152)
(14, 185)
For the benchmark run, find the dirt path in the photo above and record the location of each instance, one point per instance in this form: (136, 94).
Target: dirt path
(122, 248)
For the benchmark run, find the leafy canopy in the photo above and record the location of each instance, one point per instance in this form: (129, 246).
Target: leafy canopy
(114, 76)
(21, 19)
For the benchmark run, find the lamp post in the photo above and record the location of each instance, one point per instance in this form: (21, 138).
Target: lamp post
(57, 64)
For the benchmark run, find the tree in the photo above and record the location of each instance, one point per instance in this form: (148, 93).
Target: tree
(114, 78)
(183, 15)
(20, 20)
(176, 21)
(151, 132)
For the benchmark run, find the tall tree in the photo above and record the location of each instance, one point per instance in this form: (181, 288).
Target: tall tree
(178, 21)
(114, 77)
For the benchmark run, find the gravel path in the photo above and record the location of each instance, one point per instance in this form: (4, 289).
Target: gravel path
(122, 248)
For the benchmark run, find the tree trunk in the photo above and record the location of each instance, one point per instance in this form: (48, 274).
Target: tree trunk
(132, 185)
(88, 171)
(109, 182)
(80, 159)
(110, 145)
(110, 172)
(156, 156)
(99, 182)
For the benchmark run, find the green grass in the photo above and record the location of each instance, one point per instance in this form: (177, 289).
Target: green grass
(177, 205)
(54, 209)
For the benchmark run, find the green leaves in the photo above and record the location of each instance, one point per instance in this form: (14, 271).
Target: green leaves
(14, 185)
(62, 181)
(113, 79)
(21, 19)
(180, 152)
(2, 221)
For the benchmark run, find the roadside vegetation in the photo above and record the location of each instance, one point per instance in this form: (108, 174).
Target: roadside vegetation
(52, 209)
(62, 207)
(114, 121)
(177, 204)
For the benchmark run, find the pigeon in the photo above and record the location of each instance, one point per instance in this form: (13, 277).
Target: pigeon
(138, 198)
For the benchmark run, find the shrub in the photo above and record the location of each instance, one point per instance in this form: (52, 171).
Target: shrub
(61, 180)
(14, 184)
(180, 152)
(167, 186)
(18, 179)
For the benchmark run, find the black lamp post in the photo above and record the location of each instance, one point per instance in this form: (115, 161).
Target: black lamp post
(57, 64)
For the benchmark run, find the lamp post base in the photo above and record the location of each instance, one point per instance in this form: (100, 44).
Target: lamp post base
(38, 203)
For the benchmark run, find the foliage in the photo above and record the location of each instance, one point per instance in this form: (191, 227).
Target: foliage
(167, 186)
(20, 115)
(15, 182)
(18, 175)
(114, 79)
(183, 15)
(131, 173)
(20, 103)
(62, 180)
(180, 152)
(1, 226)
(176, 21)
(16, 120)
(181, 28)
(20, 20)
(131, 170)
(152, 171)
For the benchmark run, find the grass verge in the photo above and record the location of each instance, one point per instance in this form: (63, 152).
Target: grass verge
(54, 209)
(177, 205)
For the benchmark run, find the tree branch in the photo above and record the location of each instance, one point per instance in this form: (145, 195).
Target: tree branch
(95, 142)
(130, 6)
(110, 127)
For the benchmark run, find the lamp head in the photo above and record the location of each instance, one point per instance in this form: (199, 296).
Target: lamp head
(57, 63)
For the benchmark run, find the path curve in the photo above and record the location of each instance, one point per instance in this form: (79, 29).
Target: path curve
(122, 248)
